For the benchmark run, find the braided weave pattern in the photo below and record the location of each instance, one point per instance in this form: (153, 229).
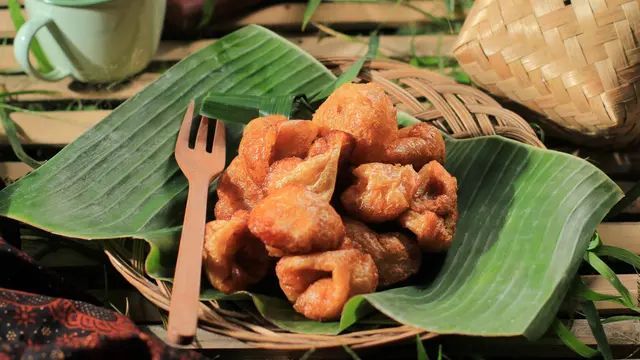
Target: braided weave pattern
(576, 62)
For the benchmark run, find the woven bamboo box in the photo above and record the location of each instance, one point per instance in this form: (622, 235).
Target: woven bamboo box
(577, 62)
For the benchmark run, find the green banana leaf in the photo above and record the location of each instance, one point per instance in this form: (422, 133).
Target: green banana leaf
(526, 215)
(120, 179)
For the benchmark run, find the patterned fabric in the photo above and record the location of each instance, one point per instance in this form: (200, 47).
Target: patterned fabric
(36, 326)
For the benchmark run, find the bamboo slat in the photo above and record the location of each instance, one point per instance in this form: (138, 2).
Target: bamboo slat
(6, 26)
(11, 171)
(4, 2)
(389, 14)
(290, 15)
(600, 284)
(68, 90)
(63, 127)
(621, 234)
(396, 46)
(206, 339)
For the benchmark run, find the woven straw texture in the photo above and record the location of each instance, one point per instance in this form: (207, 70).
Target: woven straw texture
(576, 62)
(460, 110)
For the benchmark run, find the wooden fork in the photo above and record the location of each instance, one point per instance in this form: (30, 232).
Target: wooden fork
(200, 167)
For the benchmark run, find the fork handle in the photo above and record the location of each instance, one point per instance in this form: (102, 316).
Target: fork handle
(183, 311)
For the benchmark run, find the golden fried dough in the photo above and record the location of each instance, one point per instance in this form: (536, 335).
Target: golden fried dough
(381, 192)
(320, 284)
(396, 256)
(233, 258)
(294, 220)
(434, 209)
(257, 147)
(293, 138)
(317, 173)
(329, 140)
(365, 112)
(416, 145)
(236, 190)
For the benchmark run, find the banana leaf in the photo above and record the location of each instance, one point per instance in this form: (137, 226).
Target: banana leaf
(526, 214)
(120, 179)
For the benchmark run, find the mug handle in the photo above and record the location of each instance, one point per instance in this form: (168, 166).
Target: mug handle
(21, 45)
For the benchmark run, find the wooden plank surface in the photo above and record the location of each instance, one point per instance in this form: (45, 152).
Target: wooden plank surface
(63, 127)
(68, 90)
(600, 284)
(6, 26)
(387, 14)
(621, 234)
(10, 171)
(4, 3)
(290, 15)
(396, 46)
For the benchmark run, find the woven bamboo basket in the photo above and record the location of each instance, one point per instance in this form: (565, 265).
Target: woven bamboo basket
(459, 110)
(576, 62)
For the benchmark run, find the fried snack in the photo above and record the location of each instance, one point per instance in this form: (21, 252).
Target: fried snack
(317, 173)
(236, 190)
(365, 112)
(434, 209)
(294, 138)
(320, 284)
(329, 140)
(381, 192)
(294, 220)
(396, 256)
(233, 258)
(416, 145)
(257, 147)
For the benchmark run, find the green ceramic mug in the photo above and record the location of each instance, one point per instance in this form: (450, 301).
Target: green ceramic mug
(97, 41)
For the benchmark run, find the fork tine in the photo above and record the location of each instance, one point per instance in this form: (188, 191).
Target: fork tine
(201, 138)
(185, 128)
(219, 141)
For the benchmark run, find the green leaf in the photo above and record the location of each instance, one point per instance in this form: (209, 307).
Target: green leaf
(595, 242)
(421, 351)
(526, 218)
(312, 6)
(571, 341)
(208, 7)
(603, 269)
(593, 319)
(612, 319)
(526, 215)
(243, 108)
(12, 135)
(405, 119)
(120, 179)
(353, 70)
(15, 12)
(461, 77)
(352, 354)
(620, 254)
(587, 294)
(308, 354)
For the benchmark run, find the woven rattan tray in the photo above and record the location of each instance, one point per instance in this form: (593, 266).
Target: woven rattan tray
(459, 110)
